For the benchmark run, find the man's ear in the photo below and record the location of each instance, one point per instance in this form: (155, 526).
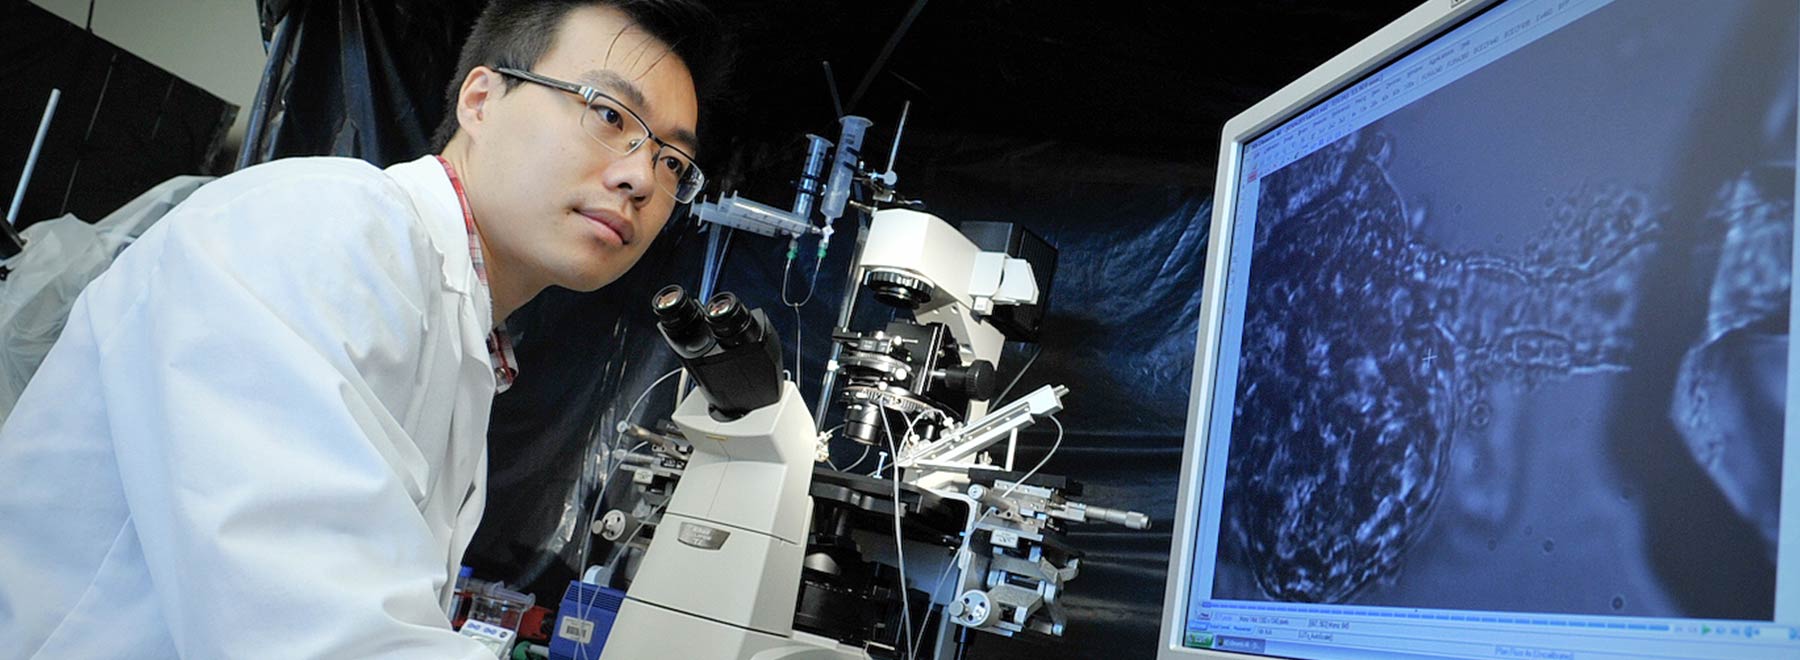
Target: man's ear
(482, 85)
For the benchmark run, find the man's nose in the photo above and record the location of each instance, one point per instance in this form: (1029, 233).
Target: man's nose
(633, 173)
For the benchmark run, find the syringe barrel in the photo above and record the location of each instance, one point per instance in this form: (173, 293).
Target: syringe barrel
(812, 178)
(744, 208)
(734, 211)
(843, 167)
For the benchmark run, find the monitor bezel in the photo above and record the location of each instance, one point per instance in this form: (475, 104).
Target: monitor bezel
(1415, 28)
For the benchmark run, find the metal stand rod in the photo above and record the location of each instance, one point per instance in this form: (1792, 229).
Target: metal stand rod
(14, 243)
(37, 147)
(845, 308)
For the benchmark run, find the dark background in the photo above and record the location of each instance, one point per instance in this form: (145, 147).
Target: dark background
(121, 126)
(1095, 125)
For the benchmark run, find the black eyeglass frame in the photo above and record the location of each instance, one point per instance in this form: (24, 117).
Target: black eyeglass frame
(588, 95)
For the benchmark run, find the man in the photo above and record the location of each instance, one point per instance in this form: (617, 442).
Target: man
(262, 433)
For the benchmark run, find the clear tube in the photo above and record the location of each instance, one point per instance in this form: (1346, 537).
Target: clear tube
(843, 167)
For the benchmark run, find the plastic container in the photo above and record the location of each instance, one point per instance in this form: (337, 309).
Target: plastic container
(495, 604)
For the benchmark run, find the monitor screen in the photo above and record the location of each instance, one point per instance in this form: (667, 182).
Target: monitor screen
(1499, 360)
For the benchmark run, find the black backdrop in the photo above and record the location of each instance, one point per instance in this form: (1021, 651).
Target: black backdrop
(122, 124)
(1096, 128)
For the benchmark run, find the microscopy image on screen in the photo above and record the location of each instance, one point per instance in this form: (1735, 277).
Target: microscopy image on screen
(1522, 345)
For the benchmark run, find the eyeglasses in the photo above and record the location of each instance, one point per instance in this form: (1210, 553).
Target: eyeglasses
(619, 129)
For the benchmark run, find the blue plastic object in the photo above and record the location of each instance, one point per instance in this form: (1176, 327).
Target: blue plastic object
(583, 620)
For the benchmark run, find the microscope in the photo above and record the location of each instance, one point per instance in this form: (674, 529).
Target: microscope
(763, 554)
(921, 387)
(720, 579)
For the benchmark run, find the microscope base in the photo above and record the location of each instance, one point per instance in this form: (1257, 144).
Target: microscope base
(666, 633)
(734, 576)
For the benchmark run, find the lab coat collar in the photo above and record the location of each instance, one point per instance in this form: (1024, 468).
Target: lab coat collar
(435, 200)
(427, 182)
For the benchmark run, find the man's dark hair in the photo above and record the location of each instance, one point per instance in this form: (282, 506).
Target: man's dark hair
(517, 33)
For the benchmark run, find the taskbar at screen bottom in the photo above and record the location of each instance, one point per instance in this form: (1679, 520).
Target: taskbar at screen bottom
(1325, 632)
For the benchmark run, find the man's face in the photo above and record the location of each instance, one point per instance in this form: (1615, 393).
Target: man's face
(556, 207)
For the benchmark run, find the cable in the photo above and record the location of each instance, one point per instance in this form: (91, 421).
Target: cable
(859, 459)
(717, 244)
(1040, 464)
(900, 549)
(824, 440)
(629, 414)
(1015, 381)
(934, 589)
(811, 287)
(837, 105)
(798, 380)
(984, 514)
(587, 532)
(912, 423)
(606, 477)
(812, 284)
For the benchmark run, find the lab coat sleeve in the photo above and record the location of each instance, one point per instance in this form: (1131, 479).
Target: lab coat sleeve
(253, 382)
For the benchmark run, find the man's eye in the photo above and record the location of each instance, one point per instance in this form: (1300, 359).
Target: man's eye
(672, 164)
(609, 116)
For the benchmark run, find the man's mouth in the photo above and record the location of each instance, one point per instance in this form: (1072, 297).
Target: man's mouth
(614, 223)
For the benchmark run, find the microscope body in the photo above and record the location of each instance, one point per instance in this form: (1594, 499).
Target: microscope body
(960, 300)
(917, 261)
(722, 575)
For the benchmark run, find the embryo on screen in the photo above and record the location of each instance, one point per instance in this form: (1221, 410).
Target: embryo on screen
(1522, 344)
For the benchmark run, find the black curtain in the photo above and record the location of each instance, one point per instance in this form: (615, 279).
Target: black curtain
(354, 78)
(121, 125)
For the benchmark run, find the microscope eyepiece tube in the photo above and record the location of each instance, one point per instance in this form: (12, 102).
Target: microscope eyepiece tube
(675, 309)
(678, 314)
(672, 303)
(731, 323)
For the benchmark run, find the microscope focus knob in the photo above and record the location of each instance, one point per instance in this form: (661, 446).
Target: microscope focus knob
(612, 526)
(973, 609)
(976, 380)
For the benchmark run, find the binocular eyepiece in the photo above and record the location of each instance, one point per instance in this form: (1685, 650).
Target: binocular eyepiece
(692, 328)
(731, 322)
(729, 348)
(682, 321)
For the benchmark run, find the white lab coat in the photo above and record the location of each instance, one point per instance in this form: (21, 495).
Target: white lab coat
(262, 433)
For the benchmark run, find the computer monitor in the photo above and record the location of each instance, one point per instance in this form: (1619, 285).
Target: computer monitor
(1493, 355)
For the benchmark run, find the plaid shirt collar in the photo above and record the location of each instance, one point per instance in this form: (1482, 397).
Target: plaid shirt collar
(500, 350)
